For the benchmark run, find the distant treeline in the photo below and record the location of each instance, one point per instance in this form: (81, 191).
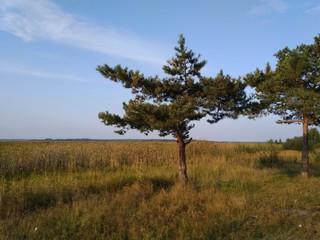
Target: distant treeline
(296, 142)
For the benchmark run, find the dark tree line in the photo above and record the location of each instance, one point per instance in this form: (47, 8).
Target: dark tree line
(172, 104)
(296, 143)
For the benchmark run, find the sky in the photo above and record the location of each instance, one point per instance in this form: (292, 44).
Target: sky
(49, 51)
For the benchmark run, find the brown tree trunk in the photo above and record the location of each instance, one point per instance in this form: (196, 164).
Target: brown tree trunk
(183, 177)
(305, 157)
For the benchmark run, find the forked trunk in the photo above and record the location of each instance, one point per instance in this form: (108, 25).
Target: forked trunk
(305, 157)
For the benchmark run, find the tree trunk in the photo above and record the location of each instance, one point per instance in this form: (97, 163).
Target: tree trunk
(305, 157)
(183, 177)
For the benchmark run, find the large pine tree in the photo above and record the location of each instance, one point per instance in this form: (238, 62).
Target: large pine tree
(169, 105)
(292, 89)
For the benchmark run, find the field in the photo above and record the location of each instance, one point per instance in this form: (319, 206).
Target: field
(129, 190)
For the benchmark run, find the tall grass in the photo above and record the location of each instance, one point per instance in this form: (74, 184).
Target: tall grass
(128, 190)
(21, 159)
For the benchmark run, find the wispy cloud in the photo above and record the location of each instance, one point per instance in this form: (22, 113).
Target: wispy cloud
(33, 20)
(314, 10)
(26, 71)
(267, 6)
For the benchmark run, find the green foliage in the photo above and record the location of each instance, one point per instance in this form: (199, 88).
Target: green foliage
(293, 144)
(169, 105)
(291, 90)
(224, 97)
(271, 141)
(314, 138)
(297, 142)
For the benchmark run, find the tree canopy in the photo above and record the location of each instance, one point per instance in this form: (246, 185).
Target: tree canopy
(170, 105)
(167, 105)
(292, 89)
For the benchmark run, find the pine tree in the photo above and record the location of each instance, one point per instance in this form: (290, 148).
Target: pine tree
(292, 89)
(171, 104)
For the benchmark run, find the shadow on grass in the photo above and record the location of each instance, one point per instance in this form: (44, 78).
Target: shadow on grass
(159, 183)
(314, 169)
(288, 167)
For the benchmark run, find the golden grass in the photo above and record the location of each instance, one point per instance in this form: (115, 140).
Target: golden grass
(128, 190)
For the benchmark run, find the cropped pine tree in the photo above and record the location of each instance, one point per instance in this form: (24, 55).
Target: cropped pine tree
(292, 89)
(169, 105)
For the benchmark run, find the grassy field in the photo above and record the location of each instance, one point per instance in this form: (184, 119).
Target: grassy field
(128, 190)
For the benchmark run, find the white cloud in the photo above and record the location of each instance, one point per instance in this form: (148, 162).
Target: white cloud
(267, 6)
(33, 20)
(22, 70)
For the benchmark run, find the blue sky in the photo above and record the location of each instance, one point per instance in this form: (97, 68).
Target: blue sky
(49, 87)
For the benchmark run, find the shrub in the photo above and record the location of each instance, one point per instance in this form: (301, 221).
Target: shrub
(296, 142)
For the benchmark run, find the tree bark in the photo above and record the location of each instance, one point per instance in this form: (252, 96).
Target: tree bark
(183, 177)
(305, 157)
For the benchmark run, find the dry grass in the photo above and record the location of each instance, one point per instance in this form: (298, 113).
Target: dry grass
(127, 190)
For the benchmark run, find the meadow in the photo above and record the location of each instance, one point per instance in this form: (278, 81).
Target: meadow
(130, 190)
